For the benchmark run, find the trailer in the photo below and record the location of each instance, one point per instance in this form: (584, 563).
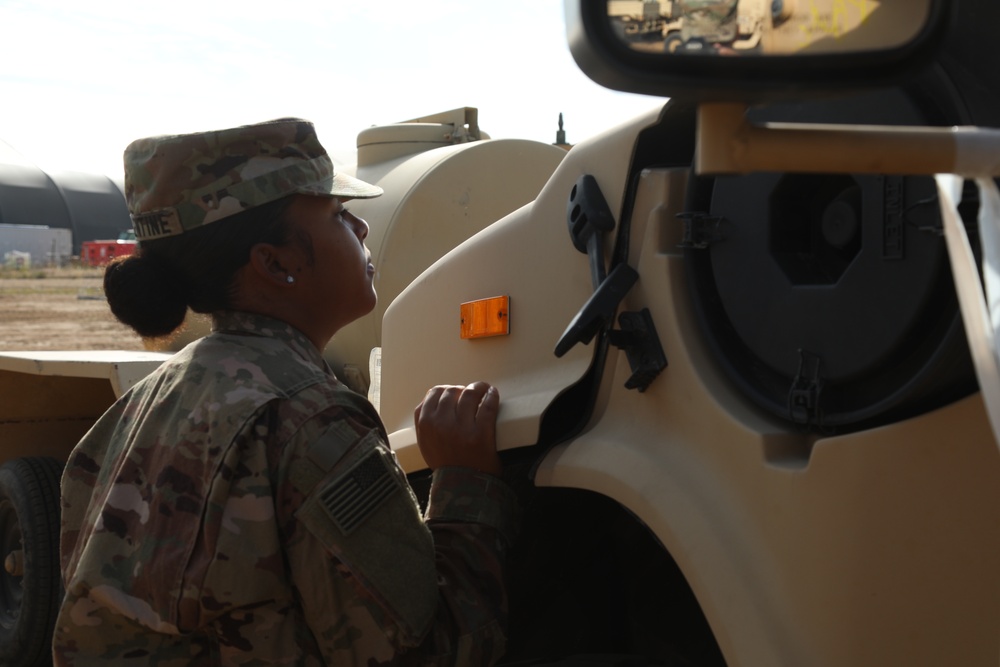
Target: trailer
(50, 400)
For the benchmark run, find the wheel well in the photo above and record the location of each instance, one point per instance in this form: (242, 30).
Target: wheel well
(586, 576)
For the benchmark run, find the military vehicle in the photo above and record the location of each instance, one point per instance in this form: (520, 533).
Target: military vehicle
(751, 417)
(748, 372)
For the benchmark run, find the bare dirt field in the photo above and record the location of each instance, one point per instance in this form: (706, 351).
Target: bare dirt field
(58, 309)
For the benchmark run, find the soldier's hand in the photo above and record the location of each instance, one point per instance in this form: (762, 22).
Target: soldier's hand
(456, 426)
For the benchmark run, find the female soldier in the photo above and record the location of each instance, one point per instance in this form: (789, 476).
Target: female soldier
(240, 506)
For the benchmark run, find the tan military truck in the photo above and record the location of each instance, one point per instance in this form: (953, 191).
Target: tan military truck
(444, 180)
(748, 375)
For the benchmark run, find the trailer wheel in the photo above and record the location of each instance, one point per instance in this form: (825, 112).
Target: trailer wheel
(30, 582)
(673, 43)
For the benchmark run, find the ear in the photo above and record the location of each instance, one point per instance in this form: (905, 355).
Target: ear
(270, 263)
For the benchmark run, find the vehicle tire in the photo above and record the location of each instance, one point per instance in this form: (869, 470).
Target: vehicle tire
(673, 43)
(30, 581)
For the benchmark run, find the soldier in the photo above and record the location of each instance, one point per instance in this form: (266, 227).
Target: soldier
(240, 506)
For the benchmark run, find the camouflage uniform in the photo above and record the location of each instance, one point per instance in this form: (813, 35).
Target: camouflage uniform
(240, 506)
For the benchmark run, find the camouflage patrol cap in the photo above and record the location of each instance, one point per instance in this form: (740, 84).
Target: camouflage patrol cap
(176, 183)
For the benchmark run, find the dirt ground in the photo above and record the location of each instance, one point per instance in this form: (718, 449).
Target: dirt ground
(58, 309)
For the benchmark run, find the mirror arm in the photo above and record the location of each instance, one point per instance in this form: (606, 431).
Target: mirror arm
(730, 144)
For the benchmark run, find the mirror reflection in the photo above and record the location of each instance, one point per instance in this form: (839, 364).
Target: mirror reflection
(766, 27)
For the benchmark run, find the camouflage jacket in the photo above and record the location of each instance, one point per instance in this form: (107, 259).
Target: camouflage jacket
(240, 506)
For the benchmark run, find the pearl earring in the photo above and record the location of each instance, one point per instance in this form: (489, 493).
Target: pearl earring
(290, 279)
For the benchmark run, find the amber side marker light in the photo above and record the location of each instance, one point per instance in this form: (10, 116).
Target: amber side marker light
(486, 317)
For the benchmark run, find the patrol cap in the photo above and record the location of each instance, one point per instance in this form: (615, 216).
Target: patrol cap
(175, 183)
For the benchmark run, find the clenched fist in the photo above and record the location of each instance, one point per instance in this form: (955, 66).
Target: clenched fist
(457, 426)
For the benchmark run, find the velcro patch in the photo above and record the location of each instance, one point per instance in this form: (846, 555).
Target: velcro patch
(357, 493)
(157, 224)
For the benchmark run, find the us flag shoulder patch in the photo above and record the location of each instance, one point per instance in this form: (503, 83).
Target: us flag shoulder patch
(358, 492)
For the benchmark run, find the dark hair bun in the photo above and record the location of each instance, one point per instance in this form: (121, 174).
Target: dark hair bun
(145, 294)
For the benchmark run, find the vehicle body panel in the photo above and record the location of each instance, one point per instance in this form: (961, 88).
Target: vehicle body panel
(51, 399)
(802, 550)
(527, 256)
(433, 201)
(871, 547)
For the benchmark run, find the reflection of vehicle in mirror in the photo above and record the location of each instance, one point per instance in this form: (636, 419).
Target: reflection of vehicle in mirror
(704, 25)
(772, 27)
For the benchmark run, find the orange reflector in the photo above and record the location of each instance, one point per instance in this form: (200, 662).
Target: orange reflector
(486, 317)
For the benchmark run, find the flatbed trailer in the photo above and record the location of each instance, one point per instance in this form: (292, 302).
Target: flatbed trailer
(48, 401)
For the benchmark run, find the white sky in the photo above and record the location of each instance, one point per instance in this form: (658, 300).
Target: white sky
(80, 79)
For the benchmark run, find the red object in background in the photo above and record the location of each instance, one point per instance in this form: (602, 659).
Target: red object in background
(99, 253)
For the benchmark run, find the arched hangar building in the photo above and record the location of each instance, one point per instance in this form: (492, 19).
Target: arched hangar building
(91, 206)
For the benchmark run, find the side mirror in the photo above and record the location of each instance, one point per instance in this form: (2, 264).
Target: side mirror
(752, 50)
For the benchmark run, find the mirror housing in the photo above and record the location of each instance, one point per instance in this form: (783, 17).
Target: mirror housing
(721, 72)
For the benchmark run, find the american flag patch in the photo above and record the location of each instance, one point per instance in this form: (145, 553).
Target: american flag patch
(352, 497)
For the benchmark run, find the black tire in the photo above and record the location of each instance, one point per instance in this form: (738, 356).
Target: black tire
(673, 43)
(30, 584)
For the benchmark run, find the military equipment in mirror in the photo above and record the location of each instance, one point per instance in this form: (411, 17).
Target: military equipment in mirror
(753, 50)
(767, 27)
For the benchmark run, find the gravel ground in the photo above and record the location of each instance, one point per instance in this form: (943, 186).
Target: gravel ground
(59, 309)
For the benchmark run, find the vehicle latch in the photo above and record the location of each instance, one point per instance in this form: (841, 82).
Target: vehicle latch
(637, 337)
(804, 394)
(589, 217)
(700, 229)
(599, 309)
